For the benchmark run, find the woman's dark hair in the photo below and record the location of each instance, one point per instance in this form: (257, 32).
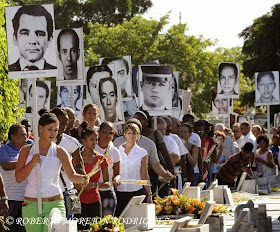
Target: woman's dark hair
(263, 138)
(58, 112)
(189, 126)
(106, 123)
(47, 119)
(86, 131)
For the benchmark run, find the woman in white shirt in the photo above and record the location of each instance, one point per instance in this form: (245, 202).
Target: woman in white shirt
(51, 157)
(133, 165)
(108, 196)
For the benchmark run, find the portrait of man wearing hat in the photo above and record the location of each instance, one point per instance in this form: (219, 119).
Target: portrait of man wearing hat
(156, 87)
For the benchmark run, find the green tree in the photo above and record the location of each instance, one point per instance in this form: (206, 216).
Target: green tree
(262, 49)
(144, 41)
(77, 13)
(9, 91)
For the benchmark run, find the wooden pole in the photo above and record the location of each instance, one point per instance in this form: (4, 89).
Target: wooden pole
(268, 119)
(36, 144)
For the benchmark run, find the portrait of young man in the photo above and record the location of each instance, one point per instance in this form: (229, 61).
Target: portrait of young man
(110, 100)
(220, 106)
(267, 88)
(30, 40)
(43, 96)
(155, 89)
(64, 97)
(69, 54)
(121, 68)
(22, 92)
(228, 80)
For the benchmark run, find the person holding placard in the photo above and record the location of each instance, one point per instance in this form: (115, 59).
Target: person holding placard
(51, 158)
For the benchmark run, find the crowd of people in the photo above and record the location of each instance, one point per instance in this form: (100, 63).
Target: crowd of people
(173, 153)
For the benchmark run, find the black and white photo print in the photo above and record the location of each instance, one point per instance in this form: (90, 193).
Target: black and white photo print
(267, 88)
(65, 96)
(70, 59)
(31, 47)
(228, 80)
(43, 96)
(155, 91)
(121, 68)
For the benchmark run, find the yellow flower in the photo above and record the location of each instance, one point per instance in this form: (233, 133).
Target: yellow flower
(176, 202)
(175, 191)
(96, 227)
(158, 208)
(141, 182)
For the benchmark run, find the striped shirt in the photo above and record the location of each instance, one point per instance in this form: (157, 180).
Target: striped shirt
(234, 166)
(15, 191)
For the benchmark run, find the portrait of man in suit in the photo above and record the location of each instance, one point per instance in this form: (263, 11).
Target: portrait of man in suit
(33, 28)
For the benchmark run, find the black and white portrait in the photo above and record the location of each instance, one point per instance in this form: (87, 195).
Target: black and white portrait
(102, 89)
(65, 94)
(110, 100)
(220, 106)
(228, 80)
(155, 92)
(267, 88)
(22, 92)
(43, 96)
(31, 48)
(70, 60)
(121, 68)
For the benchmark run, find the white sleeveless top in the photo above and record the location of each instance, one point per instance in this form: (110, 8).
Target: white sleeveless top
(261, 168)
(50, 168)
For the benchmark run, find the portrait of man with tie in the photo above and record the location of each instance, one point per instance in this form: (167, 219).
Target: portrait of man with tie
(32, 34)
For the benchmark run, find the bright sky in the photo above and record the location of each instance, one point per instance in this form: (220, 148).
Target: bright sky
(214, 19)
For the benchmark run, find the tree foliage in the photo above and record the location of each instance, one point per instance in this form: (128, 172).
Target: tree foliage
(144, 40)
(262, 49)
(77, 13)
(9, 95)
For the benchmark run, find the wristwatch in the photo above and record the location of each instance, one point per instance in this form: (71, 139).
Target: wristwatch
(4, 198)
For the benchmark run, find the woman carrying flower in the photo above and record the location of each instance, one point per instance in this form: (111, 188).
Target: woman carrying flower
(51, 157)
(108, 196)
(90, 197)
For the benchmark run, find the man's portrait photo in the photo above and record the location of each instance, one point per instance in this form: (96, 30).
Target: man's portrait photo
(70, 54)
(155, 89)
(22, 92)
(220, 104)
(121, 68)
(30, 31)
(110, 100)
(43, 96)
(228, 80)
(64, 97)
(267, 88)
(93, 75)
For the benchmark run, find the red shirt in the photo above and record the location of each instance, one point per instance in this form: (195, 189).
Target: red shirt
(92, 195)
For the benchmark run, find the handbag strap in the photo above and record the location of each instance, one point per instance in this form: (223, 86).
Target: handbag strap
(63, 181)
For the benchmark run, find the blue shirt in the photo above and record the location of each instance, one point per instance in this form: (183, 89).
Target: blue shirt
(275, 151)
(8, 152)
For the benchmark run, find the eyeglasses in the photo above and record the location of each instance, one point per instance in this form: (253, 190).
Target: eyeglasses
(105, 132)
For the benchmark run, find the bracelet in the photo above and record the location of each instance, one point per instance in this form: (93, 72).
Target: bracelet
(4, 198)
